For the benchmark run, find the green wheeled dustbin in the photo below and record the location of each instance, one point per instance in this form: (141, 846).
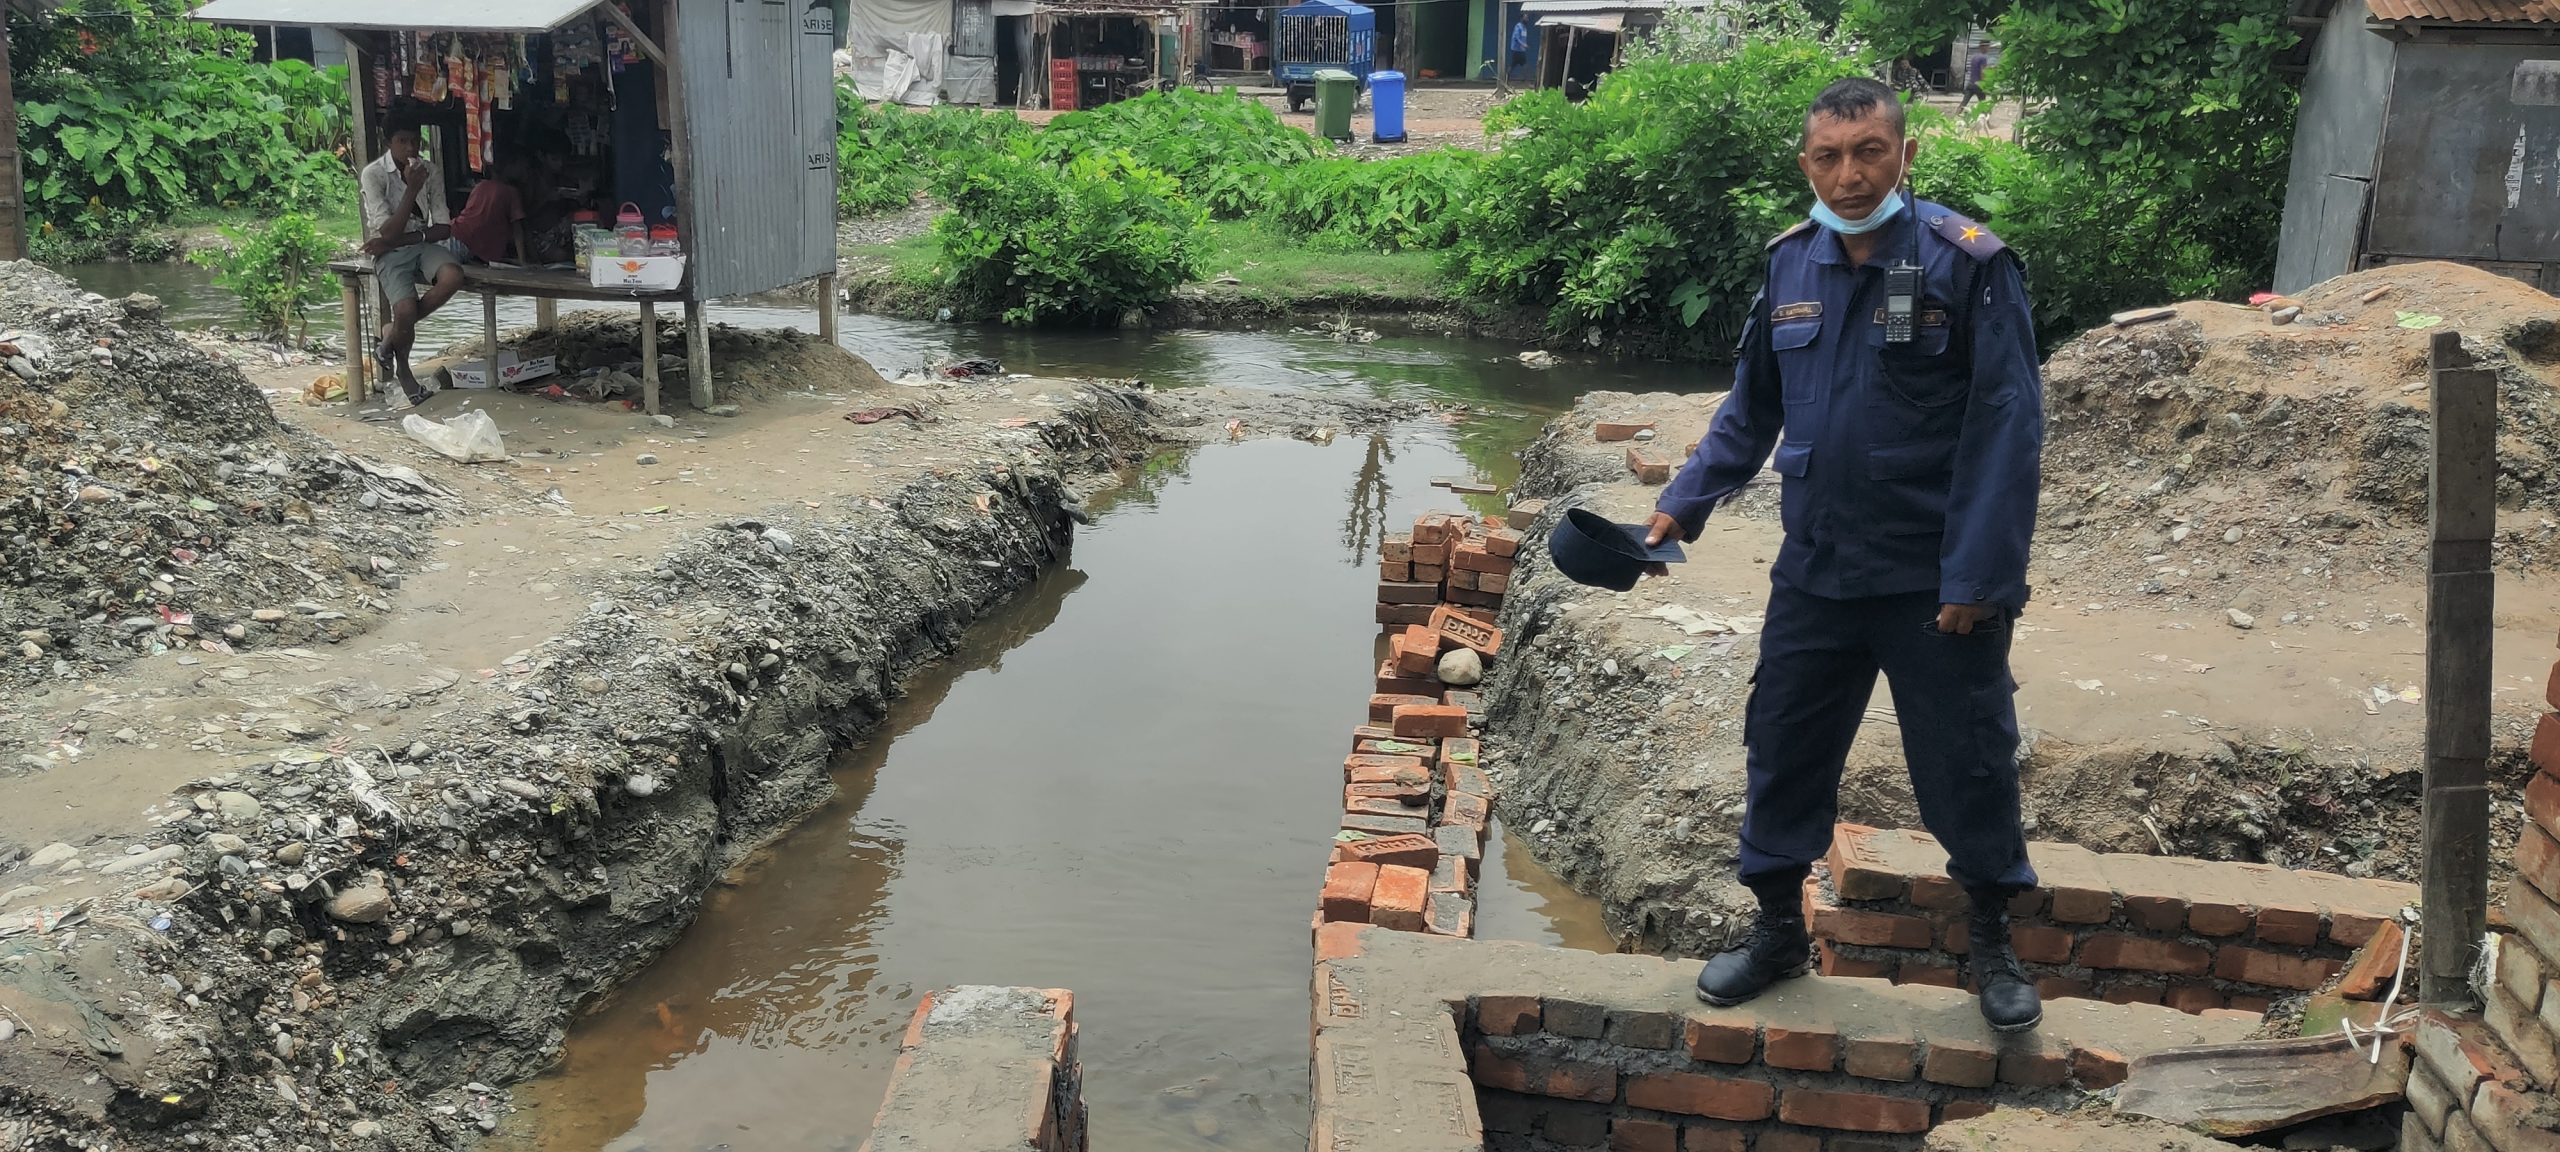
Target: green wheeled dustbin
(1336, 92)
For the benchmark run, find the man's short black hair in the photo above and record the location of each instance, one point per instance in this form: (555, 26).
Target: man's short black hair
(399, 122)
(1853, 99)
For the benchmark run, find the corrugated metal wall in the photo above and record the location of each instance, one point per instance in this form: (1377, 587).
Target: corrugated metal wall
(2335, 138)
(760, 103)
(2467, 172)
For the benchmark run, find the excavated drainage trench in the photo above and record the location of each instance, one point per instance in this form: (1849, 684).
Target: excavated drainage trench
(1123, 784)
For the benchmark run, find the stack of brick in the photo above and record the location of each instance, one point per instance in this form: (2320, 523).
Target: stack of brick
(1416, 805)
(2192, 934)
(1450, 558)
(1649, 464)
(986, 1069)
(2486, 1078)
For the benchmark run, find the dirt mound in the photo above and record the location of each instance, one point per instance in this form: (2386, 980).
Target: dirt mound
(154, 502)
(2310, 435)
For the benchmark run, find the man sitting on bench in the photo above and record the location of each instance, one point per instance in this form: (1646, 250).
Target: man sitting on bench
(405, 226)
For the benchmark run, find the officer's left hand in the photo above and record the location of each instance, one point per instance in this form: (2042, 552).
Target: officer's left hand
(1960, 618)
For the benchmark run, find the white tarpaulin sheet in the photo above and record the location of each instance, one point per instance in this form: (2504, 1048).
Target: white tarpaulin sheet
(459, 15)
(897, 48)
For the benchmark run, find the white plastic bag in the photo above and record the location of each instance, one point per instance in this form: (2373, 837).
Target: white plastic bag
(471, 437)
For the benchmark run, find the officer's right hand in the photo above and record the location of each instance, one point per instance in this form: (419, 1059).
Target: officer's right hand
(1662, 527)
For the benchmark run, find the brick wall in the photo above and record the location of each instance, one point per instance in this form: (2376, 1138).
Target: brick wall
(985, 1069)
(2484, 1079)
(2195, 935)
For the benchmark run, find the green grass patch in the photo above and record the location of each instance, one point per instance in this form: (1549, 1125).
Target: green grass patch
(1268, 263)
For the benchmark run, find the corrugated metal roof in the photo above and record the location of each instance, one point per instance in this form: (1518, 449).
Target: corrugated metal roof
(441, 15)
(2466, 11)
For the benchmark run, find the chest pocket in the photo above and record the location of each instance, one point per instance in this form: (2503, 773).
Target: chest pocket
(1925, 372)
(1793, 341)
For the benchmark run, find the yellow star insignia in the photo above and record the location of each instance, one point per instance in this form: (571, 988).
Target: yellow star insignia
(1971, 234)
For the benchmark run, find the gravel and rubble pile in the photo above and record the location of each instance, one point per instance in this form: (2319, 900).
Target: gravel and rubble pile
(349, 947)
(153, 501)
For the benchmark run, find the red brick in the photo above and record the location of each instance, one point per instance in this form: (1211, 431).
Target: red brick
(1395, 615)
(1338, 941)
(1701, 1138)
(1871, 929)
(1931, 975)
(2062, 988)
(1409, 591)
(1954, 1110)
(1417, 650)
(2144, 954)
(1960, 1064)
(1462, 578)
(1882, 1058)
(1395, 571)
(1487, 600)
(2252, 1005)
(1853, 1111)
(1398, 549)
(2295, 926)
(2538, 859)
(1376, 806)
(1402, 851)
(1853, 870)
(1503, 542)
(1802, 1049)
(1430, 556)
(2368, 974)
(2542, 801)
(1390, 682)
(1474, 813)
(1493, 583)
(2156, 913)
(2272, 969)
(1435, 528)
(1832, 963)
(1372, 731)
(2083, 905)
(1506, 1015)
(1431, 574)
(1648, 468)
(1464, 630)
(1410, 795)
(2513, 1121)
(2041, 944)
(2546, 743)
(1611, 431)
(1629, 1135)
(2215, 918)
(2193, 999)
(1463, 698)
(1399, 897)
(1717, 1042)
(1382, 707)
(1453, 874)
(1347, 890)
(1492, 1069)
(1693, 1094)
(1938, 894)
(2035, 1067)
(1575, 1080)
(1473, 557)
(1427, 717)
(1409, 774)
(1786, 1142)
(2097, 1068)
(2133, 994)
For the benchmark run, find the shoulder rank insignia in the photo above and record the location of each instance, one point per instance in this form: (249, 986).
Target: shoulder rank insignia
(1781, 238)
(1976, 240)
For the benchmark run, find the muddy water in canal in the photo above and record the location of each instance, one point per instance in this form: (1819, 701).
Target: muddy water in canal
(1123, 784)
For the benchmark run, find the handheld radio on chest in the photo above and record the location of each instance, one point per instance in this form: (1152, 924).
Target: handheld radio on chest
(1902, 286)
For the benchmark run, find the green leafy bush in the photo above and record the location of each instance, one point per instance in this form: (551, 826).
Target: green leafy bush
(277, 271)
(1082, 240)
(1646, 206)
(1225, 150)
(886, 153)
(1410, 201)
(129, 111)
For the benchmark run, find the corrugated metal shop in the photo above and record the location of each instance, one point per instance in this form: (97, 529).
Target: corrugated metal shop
(662, 151)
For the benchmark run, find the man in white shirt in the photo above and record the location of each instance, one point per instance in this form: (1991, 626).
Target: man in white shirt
(405, 225)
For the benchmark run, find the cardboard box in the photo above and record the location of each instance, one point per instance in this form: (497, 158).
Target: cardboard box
(511, 369)
(643, 273)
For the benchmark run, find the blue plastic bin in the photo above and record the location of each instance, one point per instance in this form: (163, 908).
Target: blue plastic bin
(1386, 107)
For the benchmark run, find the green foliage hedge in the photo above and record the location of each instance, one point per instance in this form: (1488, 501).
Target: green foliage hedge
(886, 153)
(1080, 240)
(1225, 150)
(1400, 202)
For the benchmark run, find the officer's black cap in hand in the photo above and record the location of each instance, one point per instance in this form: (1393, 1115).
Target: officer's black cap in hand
(1590, 550)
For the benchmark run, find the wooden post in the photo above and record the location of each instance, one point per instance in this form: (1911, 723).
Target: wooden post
(649, 356)
(13, 185)
(827, 307)
(697, 355)
(359, 356)
(2462, 502)
(489, 335)
(546, 314)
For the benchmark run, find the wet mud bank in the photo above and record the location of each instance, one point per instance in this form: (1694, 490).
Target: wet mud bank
(2153, 723)
(362, 950)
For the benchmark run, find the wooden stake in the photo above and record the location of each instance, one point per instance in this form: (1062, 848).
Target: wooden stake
(649, 356)
(827, 307)
(697, 355)
(2462, 490)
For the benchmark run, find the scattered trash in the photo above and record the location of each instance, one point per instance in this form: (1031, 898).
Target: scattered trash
(884, 412)
(2418, 320)
(2376, 294)
(972, 367)
(2135, 316)
(1538, 358)
(329, 388)
(471, 437)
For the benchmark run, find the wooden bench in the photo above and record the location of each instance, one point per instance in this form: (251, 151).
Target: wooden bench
(544, 286)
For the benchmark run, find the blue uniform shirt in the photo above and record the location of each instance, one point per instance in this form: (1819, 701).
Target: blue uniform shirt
(1906, 467)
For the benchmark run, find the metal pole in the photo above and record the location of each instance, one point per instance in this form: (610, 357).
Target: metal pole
(2462, 501)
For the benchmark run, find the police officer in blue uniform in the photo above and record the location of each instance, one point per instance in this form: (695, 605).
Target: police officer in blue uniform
(1890, 363)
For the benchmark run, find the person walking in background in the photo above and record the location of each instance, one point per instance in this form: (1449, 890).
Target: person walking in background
(405, 226)
(1890, 360)
(1519, 46)
(1973, 79)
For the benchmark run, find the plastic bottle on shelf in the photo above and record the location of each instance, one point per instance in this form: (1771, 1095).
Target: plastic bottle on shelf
(633, 230)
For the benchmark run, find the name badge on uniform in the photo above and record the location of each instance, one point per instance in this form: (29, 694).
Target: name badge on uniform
(1809, 310)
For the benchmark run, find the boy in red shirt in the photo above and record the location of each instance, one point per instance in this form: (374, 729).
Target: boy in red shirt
(493, 219)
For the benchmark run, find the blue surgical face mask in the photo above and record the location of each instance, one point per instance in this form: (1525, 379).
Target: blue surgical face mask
(1883, 214)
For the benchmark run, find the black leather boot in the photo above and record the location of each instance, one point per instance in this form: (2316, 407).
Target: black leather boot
(2009, 998)
(1777, 948)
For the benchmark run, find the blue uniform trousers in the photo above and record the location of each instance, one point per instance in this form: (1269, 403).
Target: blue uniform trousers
(1952, 695)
